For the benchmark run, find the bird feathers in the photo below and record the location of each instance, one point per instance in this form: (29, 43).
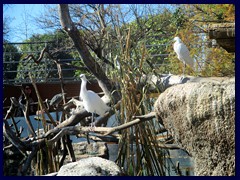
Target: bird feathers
(182, 52)
(57, 99)
(91, 101)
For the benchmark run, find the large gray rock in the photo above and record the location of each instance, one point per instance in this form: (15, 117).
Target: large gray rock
(92, 166)
(201, 118)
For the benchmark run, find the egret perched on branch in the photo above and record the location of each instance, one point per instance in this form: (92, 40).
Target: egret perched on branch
(183, 53)
(91, 101)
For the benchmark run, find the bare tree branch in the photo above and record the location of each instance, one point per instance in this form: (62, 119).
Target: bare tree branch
(42, 106)
(67, 24)
(37, 61)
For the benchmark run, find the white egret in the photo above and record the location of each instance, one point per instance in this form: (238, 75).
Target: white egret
(91, 101)
(183, 53)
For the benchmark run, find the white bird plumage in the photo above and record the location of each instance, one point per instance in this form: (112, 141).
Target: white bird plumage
(183, 53)
(91, 101)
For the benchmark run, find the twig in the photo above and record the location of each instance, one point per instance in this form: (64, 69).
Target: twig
(28, 161)
(37, 118)
(11, 136)
(14, 105)
(37, 61)
(26, 114)
(146, 116)
(15, 127)
(42, 106)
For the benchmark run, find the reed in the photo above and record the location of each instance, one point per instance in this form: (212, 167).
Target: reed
(139, 154)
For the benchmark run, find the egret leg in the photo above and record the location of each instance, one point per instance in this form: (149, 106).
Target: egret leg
(92, 125)
(184, 67)
(57, 118)
(92, 120)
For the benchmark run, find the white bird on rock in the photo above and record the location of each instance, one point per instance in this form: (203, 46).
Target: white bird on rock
(183, 53)
(91, 101)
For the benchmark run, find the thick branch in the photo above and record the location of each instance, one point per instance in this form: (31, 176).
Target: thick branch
(132, 123)
(11, 136)
(88, 60)
(29, 160)
(65, 18)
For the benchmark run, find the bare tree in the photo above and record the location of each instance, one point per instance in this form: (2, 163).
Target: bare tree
(6, 21)
(67, 24)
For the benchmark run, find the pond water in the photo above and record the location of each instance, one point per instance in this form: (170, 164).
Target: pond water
(186, 164)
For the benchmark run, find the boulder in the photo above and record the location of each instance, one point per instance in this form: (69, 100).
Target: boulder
(92, 166)
(201, 118)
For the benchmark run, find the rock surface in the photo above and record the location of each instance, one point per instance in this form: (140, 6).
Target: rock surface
(92, 166)
(201, 118)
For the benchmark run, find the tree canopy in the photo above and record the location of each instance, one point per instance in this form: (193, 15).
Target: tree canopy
(105, 27)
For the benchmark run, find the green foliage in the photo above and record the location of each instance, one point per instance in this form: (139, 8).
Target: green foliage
(10, 54)
(194, 20)
(179, 18)
(56, 43)
(219, 63)
(213, 12)
(150, 29)
(139, 154)
(152, 33)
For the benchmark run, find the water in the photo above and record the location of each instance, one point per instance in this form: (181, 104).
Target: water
(186, 164)
(37, 125)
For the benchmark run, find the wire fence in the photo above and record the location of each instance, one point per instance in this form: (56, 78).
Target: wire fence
(46, 69)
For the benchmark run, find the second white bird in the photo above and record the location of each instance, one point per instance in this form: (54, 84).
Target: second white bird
(183, 53)
(91, 101)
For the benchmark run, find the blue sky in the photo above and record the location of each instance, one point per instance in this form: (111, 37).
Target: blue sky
(22, 20)
(22, 23)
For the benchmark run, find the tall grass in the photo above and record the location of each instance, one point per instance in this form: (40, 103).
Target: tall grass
(139, 154)
(47, 158)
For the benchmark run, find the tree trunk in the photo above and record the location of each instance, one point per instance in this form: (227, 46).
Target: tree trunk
(67, 24)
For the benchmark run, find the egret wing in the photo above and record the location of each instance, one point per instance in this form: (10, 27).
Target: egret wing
(97, 104)
(183, 53)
